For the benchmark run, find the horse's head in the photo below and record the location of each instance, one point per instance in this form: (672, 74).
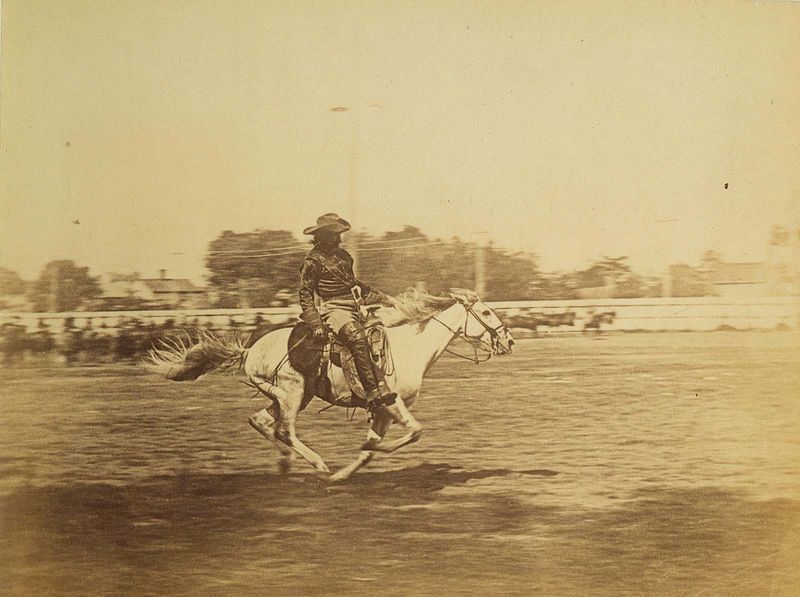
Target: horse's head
(482, 325)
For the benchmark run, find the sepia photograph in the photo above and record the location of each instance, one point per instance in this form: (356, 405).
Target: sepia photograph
(409, 298)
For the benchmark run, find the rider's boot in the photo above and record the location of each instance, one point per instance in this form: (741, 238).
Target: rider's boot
(384, 401)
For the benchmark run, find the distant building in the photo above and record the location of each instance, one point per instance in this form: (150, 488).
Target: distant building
(175, 292)
(15, 302)
(720, 278)
(596, 292)
(784, 262)
(120, 292)
(778, 276)
(685, 280)
(738, 279)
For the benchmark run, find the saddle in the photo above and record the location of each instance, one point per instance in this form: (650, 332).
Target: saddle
(315, 359)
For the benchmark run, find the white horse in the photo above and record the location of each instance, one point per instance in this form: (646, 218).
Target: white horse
(418, 330)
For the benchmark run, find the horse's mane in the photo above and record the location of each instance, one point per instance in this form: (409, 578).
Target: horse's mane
(414, 306)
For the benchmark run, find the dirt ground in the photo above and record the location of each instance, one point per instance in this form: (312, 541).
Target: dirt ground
(662, 464)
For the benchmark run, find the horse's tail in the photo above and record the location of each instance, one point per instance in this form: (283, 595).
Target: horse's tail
(181, 360)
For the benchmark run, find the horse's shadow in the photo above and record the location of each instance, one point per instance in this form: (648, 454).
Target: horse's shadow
(186, 494)
(413, 482)
(194, 506)
(426, 479)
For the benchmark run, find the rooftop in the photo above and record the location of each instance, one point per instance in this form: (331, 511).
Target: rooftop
(171, 285)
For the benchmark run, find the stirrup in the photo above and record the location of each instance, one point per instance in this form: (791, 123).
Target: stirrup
(392, 410)
(386, 400)
(357, 402)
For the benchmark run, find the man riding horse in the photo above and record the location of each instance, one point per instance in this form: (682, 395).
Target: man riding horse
(332, 299)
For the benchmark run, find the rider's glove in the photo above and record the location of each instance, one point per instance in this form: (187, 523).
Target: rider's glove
(319, 333)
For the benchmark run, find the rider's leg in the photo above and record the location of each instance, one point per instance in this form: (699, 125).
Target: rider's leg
(352, 335)
(380, 398)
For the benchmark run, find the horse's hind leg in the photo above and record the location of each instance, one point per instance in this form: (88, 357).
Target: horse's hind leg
(264, 422)
(287, 400)
(286, 434)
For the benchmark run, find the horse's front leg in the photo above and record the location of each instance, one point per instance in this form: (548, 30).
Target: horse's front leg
(377, 431)
(413, 428)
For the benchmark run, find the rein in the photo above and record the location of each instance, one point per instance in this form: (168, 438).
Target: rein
(476, 343)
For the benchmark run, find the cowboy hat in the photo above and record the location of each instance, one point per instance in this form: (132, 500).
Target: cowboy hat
(330, 222)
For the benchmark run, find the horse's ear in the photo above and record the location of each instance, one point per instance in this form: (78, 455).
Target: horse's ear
(463, 296)
(457, 298)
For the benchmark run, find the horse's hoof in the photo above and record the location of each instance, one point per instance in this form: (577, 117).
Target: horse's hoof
(373, 445)
(284, 466)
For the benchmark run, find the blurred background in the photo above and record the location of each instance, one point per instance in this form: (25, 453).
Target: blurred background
(253, 278)
(597, 172)
(159, 160)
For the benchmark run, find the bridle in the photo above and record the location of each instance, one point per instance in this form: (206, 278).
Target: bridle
(477, 343)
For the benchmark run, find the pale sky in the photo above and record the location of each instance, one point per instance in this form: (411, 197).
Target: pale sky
(570, 129)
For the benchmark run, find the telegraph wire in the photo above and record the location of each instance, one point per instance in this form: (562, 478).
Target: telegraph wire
(376, 245)
(234, 255)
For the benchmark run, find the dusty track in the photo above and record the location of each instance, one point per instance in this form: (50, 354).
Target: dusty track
(663, 464)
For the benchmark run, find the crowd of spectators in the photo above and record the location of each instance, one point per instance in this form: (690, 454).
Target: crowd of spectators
(89, 341)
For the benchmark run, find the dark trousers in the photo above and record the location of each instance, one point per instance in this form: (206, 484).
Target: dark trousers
(353, 336)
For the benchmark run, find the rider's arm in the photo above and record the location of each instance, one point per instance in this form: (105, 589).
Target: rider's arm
(373, 296)
(309, 276)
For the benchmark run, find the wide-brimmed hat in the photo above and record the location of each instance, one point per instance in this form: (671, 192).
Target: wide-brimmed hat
(330, 222)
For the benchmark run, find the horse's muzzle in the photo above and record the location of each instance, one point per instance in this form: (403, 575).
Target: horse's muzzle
(504, 345)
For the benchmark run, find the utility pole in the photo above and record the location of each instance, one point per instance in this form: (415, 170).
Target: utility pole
(53, 306)
(480, 264)
(352, 195)
(352, 185)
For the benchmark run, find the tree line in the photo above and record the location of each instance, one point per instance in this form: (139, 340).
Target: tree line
(61, 286)
(252, 268)
(258, 268)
